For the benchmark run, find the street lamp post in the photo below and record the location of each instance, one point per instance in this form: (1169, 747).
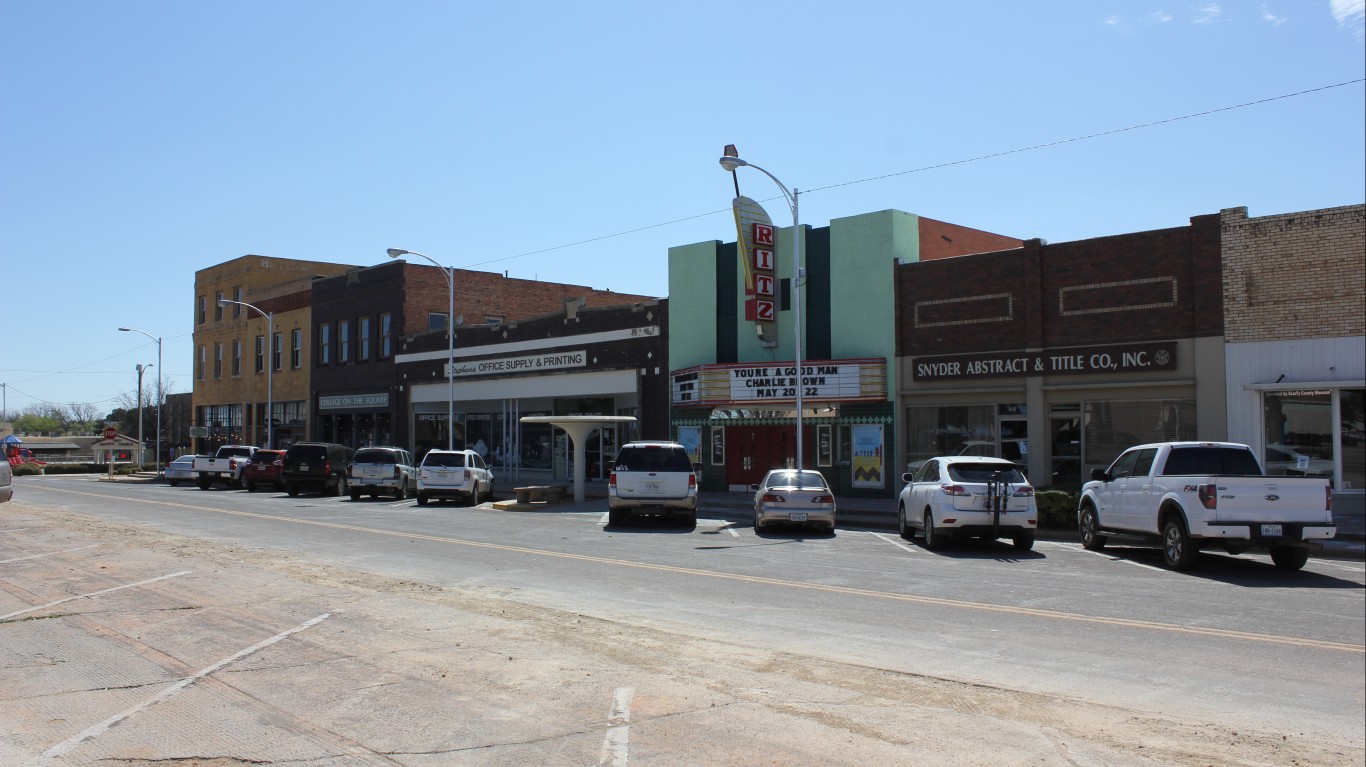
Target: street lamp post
(730, 164)
(160, 394)
(142, 446)
(270, 366)
(449, 273)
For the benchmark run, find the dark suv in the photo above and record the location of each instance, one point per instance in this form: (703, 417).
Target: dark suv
(320, 466)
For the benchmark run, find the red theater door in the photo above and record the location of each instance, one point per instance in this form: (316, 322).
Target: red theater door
(751, 451)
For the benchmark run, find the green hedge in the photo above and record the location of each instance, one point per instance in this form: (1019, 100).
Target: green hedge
(27, 470)
(1057, 509)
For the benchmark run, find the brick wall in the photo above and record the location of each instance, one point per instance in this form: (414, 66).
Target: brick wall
(1160, 284)
(1294, 276)
(942, 240)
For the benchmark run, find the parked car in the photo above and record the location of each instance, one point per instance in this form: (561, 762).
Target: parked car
(387, 470)
(652, 478)
(1186, 496)
(453, 474)
(180, 470)
(793, 497)
(955, 496)
(316, 466)
(264, 468)
(6, 481)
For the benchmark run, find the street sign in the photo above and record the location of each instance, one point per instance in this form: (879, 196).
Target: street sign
(110, 432)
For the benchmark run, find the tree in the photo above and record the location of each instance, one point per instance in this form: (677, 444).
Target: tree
(85, 417)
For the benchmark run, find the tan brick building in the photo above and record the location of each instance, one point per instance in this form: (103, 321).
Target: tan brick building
(1294, 294)
(232, 381)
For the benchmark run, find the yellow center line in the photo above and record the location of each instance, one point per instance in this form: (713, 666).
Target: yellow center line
(755, 579)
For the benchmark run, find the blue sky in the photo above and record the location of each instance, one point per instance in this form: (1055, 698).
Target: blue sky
(576, 142)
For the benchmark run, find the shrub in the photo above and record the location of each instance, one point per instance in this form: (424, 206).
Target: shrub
(27, 470)
(1057, 509)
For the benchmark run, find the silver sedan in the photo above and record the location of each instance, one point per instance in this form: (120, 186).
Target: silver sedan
(179, 470)
(788, 496)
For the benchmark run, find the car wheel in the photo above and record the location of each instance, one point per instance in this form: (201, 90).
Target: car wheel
(616, 517)
(474, 495)
(173, 482)
(421, 499)
(292, 490)
(1091, 539)
(251, 487)
(933, 540)
(355, 495)
(1178, 550)
(204, 484)
(402, 492)
(1289, 557)
(1024, 541)
(689, 518)
(901, 526)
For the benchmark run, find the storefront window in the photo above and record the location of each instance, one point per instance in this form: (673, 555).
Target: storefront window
(1352, 407)
(1299, 433)
(1110, 428)
(933, 431)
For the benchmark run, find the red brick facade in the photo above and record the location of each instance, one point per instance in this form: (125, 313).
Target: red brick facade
(1160, 284)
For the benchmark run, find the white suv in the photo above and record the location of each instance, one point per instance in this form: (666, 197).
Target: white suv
(387, 470)
(453, 474)
(652, 478)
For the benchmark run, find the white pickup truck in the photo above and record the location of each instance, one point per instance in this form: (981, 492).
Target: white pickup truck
(225, 466)
(1190, 494)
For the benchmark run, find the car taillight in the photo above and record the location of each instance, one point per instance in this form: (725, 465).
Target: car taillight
(954, 490)
(612, 479)
(468, 475)
(823, 499)
(397, 472)
(773, 498)
(692, 480)
(1209, 496)
(1327, 498)
(327, 468)
(1024, 492)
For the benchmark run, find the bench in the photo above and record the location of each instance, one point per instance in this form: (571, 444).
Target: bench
(540, 493)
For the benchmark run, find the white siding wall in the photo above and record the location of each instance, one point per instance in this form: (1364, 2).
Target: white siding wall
(1314, 360)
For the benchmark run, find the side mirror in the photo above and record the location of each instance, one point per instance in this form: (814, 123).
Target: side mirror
(1100, 475)
(907, 477)
(754, 488)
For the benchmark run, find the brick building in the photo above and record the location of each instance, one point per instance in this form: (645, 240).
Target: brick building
(232, 347)
(579, 360)
(1294, 290)
(1061, 355)
(363, 318)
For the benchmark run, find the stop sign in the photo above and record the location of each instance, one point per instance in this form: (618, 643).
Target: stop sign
(110, 432)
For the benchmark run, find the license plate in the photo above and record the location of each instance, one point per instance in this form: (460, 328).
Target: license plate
(303, 467)
(1269, 531)
(796, 517)
(652, 487)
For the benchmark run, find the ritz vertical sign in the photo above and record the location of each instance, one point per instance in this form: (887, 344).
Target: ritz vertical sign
(755, 239)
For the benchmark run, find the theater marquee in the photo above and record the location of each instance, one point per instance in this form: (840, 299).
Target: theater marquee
(738, 384)
(1121, 358)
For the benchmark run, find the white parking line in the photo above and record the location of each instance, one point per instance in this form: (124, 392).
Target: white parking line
(616, 745)
(95, 594)
(897, 544)
(1112, 558)
(40, 556)
(102, 727)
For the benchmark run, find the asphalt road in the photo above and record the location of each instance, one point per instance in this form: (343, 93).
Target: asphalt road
(451, 635)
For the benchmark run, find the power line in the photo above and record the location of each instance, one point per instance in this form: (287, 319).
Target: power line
(949, 164)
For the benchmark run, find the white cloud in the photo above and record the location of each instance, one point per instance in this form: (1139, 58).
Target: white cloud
(1207, 13)
(1349, 14)
(1272, 18)
(1112, 21)
(1162, 17)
